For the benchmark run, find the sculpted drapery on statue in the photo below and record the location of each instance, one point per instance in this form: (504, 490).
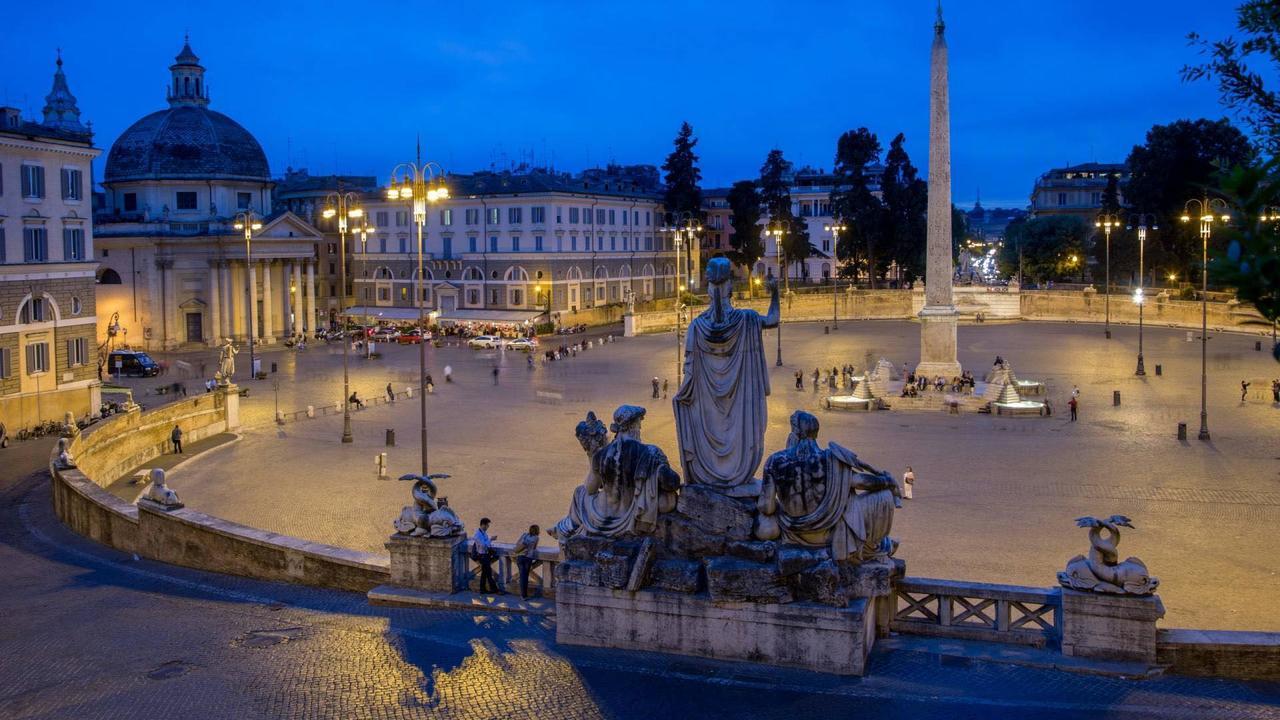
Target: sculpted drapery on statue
(720, 408)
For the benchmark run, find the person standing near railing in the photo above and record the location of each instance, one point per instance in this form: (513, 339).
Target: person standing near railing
(526, 551)
(482, 553)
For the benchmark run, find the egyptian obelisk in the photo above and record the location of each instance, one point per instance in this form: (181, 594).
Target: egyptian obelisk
(938, 317)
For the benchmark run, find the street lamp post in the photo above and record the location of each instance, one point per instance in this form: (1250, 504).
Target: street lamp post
(249, 222)
(682, 228)
(777, 232)
(1143, 220)
(1107, 221)
(1207, 210)
(344, 206)
(420, 183)
(835, 229)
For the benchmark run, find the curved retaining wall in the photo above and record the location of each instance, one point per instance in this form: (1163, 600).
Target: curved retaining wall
(108, 450)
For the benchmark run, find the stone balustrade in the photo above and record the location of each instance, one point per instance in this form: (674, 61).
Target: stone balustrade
(986, 612)
(542, 578)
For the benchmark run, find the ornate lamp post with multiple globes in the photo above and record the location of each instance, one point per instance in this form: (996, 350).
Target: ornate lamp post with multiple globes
(419, 184)
(249, 222)
(1144, 222)
(777, 232)
(1108, 222)
(835, 229)
(1208, 211)
(683, 227)
(344, 206)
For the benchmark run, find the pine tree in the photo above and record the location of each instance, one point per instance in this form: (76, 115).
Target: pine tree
(853, 204)
(775, 198)
(906, 203)
(683, 192)
(748, 245)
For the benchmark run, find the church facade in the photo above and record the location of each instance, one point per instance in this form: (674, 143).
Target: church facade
(174, 269)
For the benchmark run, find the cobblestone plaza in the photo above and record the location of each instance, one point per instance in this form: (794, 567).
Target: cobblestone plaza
(995, 498)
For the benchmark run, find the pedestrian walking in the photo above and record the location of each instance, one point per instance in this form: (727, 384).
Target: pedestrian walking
(1074, 405)
(448, 373)
(1075, 392)
(430, 383)
(495, 374)
(799, 380)
(1275, 390)
(526, 556)
(655, 387)
(391, 394)
(482, 553)
(176, 438)
(815, 378)
(664, 388)
(1244, 390)
(908, 481)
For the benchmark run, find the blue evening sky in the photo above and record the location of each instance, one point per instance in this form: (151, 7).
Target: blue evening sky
(346, 87)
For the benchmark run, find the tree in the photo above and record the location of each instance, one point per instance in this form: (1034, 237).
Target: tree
(1176, 163)
(1052, 247)
(959, 231)
(1241, 87)
(775, 198)
(853, 205)
(683, 193)
(1124, 245)
(748, 246)
(906, 206)
(1251, 262)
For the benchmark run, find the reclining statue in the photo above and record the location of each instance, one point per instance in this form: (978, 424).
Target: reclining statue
(627, 485)
(826, 498)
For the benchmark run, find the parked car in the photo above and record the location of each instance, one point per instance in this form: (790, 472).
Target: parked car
(410, 337)
(484, 342)
(132, 363)
(384, 334)
(522, 344)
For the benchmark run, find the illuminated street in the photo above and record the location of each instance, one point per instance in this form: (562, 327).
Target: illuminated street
(995, 497)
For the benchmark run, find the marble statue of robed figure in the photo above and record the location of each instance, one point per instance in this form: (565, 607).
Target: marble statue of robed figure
(720, 407)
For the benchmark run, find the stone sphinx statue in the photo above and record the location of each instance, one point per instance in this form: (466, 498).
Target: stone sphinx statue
(628, 484)
(720, 406)
(159, 492)
(69, 427)
(64, 461)
(428, 515)
(1101, 571)
(826, 498)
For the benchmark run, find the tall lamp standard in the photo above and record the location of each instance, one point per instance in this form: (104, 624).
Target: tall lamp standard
(249, 222)
(1108, 222)
(835, 229)
(1144, 222)
(682, 228)
(777, 232)
(1207, 210)
(344, 206)
(419, 183)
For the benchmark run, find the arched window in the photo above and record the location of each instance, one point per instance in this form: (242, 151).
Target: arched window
(602, 273)
(384, 273)
(472, 275)
(624, 272)
(76, 306)
(109, 277)
(186, 86)
(516, 274)
(573, 273)
(646, 271)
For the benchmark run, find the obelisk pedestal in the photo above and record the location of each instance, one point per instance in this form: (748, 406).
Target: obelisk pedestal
(938, 317)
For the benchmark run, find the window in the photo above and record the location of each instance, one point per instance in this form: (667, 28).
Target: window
(404, 245)
(243, 200)
(513, 215)
(404, 293)
(331, 271)
(382, 245)
(471, 244)
(131, 202)
(35, 245)
(1062, 198)
(613, 242)
(1096, 199)
(2, 250)
(333, 290)
(573, 243)
(600, 216)
(495, 216)
(32, 311)
(6, 360)
(384, 294)
(573, 216)
(600, 243)
(72, 244)
(446, 217)
(646, 217)
(517, 297)
(186, 201)
(473, 216)
(493, 297)
(447, 252)
(493, 244)
(473, 297)
(515, 243)
(333, 248)
(537, 243)
(586, 216)
(382, 218)
(612, 217)
(537, 215)
(402, 218)
(559, 216)
(77, 352)
(72, 184)
(32, 182)
(635, 217)
(625, 216)
(37, 358)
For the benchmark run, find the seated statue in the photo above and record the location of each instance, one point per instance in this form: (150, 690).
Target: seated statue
(159, 492)
(64, 461)
(1101, 571)
(427, 515)
(826, 498)
(627, 485)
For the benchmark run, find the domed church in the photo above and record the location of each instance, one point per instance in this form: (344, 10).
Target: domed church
(174, 272)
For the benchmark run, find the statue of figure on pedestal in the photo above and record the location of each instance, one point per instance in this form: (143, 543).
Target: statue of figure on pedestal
(720, 407)
(628, 484)
(427, 515)
(227, 362)
(826, 498)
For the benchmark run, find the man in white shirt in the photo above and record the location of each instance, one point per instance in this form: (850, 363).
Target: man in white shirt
(482, 553)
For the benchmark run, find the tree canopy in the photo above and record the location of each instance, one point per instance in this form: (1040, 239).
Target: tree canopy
(775, 198)
(1052, 247)
(853, 204)
(683, 176)
(906, 205)
(1240, 85)
(744, 202)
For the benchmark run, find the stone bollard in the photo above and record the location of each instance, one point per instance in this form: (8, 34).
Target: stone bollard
(1115, 398)
(381, 461)
(311, 411)
(826, 329)
(391, 437)
(1189, 336)
(1159, 369)
(1182, 431)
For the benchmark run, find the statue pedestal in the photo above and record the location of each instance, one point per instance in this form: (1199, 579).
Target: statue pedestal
(804, 635)
(938, 342)
(628, 325)
(423, 563)
(1110, 627)
(231, 400)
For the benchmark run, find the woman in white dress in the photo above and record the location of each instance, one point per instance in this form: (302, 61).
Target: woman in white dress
(908, 479)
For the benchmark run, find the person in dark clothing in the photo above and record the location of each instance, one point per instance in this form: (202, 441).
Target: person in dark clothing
(1074, 405)
(1244, 390)
(495, 376)
(391, 394)
(526, 555)
(355, 400)
(655, 387)
(176, 437)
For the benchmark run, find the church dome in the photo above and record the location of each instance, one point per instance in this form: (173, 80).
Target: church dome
(184, 142)
(188, 140)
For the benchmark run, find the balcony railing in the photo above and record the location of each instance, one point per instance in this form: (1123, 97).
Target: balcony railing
(1010, 614)
(542, 578)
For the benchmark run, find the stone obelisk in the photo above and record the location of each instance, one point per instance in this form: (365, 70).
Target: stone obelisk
(938, 318)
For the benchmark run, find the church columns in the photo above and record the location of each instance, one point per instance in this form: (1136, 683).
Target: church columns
(251, 284)
(300, 320)
(268, 305)
(311, 295)
(215, 298)
(170, 335)
(286, 310)
(228, 327)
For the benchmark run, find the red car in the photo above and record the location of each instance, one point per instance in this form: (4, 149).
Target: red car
(410, 337)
